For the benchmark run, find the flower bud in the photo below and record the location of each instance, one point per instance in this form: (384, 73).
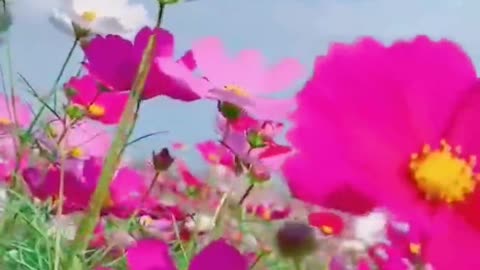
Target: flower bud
(162, 160)
(255, 140)
(296, 240)
(75, 112)
(230, 111)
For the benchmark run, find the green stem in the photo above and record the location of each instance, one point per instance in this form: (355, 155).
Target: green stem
(160, 14)
(53, 91)
(62, 70)
(89, 221)
(297, 264)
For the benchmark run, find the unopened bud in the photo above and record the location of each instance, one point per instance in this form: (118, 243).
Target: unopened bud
(259, 174)
(162, 160)
(75, 112)
(256, 140)
(230, 111)
(296, 240)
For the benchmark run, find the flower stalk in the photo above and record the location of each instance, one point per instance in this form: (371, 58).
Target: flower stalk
(127, 123)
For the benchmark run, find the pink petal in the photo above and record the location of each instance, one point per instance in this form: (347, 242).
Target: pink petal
(180, 82)
(114, 105)
(212, 60)
(344, 129)
(283, 75)
(164, 45)
(464, 130)
(111, 61)
(85, 88)
(453, 236)
(188, 60)
(219, 255)
(249, 69)
(149, 254)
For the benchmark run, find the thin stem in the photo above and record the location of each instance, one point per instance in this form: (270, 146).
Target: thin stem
(297, 264)
(161, 10)
(258, 258)
(246, 194)
(53, 91)
(61, 199)
(62, 70)
(87, 224)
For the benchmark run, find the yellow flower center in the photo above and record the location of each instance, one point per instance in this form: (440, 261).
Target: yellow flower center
(213, 158)
(76, 152)
(442, 174)
(326, 229)
(89, 16)
(415, 248)
(95, 110)
(51, 132)
(237, 90)
(4, 121)
(108, 203)
(266, 215)
(145, 221)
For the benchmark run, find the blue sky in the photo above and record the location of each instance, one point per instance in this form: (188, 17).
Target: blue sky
(279, 28)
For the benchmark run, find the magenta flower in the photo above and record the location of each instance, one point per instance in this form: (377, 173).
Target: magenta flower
(219, 255)
(114, 62)
(149, 254)
(79, 183)
(267, 158)
(127, 192)
(214, 154)
(8, 141)
(394, 127)
(99, 104)
(244, 80)
(23, 112)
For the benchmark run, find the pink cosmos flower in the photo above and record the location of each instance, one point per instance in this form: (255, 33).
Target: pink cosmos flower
(214, 154)
(8, 141)
(83, 139)
(23, 112)
(394, 127)
(242, 80)
(265, 159)
(328, 223)
(149, 254)
(114, 62)
(106, 107)
(127, 191)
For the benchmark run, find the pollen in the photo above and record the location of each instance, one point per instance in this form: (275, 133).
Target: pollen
(108, 203)
(145, 221)
(213, 158)
(326, 229)
(4, 121)
(237, 90)
(443, 174)
(95, 110)
(76, 152)
(89, 16)
(415, 248)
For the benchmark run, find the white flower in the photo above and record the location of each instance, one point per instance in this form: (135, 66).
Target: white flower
(100, 16)
(370, 228)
